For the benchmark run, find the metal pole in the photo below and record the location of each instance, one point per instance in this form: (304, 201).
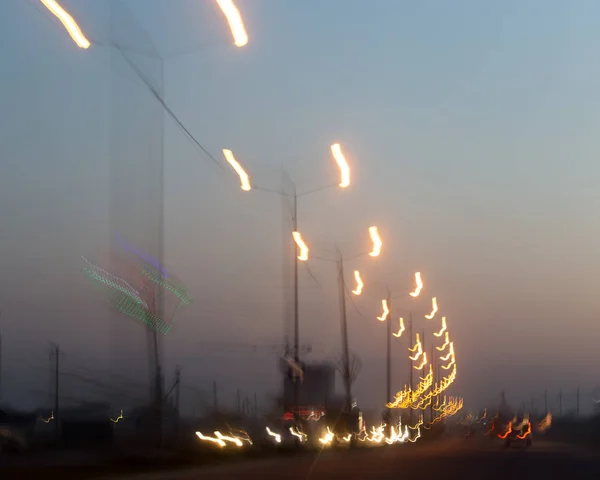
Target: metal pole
(388, 364)
(344, 325)
(296, 304)
(410, 362)
(215, 400)
(560, 396)
(56, 390)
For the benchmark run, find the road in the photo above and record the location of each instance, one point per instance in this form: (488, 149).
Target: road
(451, 458)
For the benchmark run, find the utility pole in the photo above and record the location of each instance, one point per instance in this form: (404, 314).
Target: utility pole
(177, 389)
(56, 353)
(215, 399)
(410, 362)
(433, 362)
(296, 305)
(560, 397)
(344, 326)
(388, 364)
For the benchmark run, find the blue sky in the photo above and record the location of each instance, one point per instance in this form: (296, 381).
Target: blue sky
(470, 128)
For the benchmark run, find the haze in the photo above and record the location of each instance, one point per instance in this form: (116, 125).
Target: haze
(471, 133)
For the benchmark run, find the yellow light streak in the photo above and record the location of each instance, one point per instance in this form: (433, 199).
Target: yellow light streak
(120, 417)
(275, 436)
(417, 348)
(377, 243)
(434, 309)
(234, 19)
(298, 434)
(225, 438)
(419, 285)
(423, 363)
(443, 329)
(359, 283)
(50, 418)
(401, 330)
(301, 245)
(68, 22)
(446, 343)
(386, 311)
(206, 438)
(450, 353)
(244, 178)
(336, 150)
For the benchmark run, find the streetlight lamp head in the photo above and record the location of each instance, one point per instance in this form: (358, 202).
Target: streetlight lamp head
(236, 24)
(336, 151)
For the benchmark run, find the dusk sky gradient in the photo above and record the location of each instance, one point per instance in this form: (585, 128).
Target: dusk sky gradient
(471, 131)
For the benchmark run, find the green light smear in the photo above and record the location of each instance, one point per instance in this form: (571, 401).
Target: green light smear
(130, 305)
(177, 290)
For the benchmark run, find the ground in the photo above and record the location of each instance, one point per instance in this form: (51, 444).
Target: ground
(450, 458)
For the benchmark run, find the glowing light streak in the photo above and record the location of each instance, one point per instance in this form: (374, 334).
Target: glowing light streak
(417, 348)
(446, 343)
(236, 24)
(450, 353)
(434, 309)
(120, 417)
(206, 438)
(68, 22)
(301, 245)
(225, 438)
(377, 243)
(244, 178)
(386, 311)
(336, 150)
(359, 283)
(401, 330)
(50, 418)
(298, 434)
(527, 432)
(275, 436)
(327, 438)
(443, 329)
(419, 285)
(423, 363)
(507, 433)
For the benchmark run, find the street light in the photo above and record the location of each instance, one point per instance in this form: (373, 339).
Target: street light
(300, 247)
(236, 24)
(69, 23)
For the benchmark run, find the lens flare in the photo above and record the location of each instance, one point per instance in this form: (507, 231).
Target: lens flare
(376, 239)
(301, 245)
(419, 285)
(244, 178)
(386, 310)
(68, 22)
(359, 283)
(336, 150)
(234, 19)
(434, 310)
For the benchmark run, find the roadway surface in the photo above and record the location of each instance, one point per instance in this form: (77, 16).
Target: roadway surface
(450, 458)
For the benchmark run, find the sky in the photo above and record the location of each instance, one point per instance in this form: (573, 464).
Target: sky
(470, 132)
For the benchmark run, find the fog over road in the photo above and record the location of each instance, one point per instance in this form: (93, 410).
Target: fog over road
(450, 458)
